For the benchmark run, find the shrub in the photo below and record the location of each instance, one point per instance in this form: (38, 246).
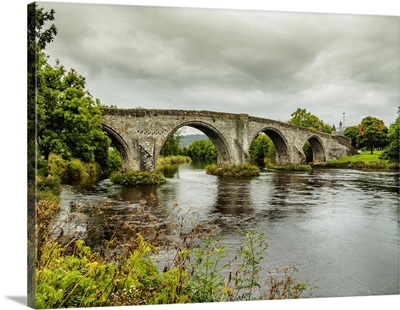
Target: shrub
(137, 178)
(291, 167)
(57, 166)
(76, 169)
(113, 162)
(244, 170)
(171, 160)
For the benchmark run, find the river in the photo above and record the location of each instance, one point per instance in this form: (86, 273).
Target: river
(340, 228)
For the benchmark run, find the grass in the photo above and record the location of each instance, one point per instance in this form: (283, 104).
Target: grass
(363, 157)
(361, 161)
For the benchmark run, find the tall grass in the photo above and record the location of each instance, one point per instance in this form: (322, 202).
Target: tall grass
(171, 160)
(244, 170)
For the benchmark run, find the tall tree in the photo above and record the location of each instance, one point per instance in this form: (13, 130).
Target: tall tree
(372, 133)
(171, 146)
(201, 150)
(303, 118)
(352, 133)
(37, 38)
(71, 123)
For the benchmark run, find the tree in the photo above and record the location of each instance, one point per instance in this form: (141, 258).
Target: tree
(70, 122)
(372, 133)
(202, 150)
(392, 150)
(303, 118)
(63, 117)
(171, 147)
(352, 133)
(37, 39)
(259, 149)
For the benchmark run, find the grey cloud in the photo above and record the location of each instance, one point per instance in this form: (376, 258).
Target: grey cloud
(261, 63)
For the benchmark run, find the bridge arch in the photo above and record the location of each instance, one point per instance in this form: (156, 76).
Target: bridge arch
(280, 142)
(121, 146)
(215, 136)
(318, 150)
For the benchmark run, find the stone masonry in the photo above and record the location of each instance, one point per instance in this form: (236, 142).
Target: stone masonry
(139, 135)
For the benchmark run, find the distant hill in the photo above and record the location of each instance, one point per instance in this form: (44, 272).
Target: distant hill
(188, 139)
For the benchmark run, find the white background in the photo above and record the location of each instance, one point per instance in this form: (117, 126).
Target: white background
(13, 145)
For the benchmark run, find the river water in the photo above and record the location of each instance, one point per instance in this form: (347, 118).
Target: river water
(340, 228)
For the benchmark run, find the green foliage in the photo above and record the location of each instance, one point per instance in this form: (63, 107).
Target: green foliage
(372, 133)
(307, 149)
(137, 178)
(201, 150)
(56, 170)
(392, 150)
(173, 160)
(61, 111)
(171, 146)
(72, 275)
(37, 39)
(113, 162)
(244, 170)
(352, 133)
(291, 168)
(71, 118)
(57, 166)
(362, 161)
(303, 118)
(259, 148)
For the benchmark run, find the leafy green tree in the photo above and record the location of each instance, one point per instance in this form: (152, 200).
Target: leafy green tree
(352, 133)
(303, 118)
(372, 133)
(202, 150)
(62, 114)
(71, 118)
(259, 149)
(392, 150)
(37, 38)
(171, 147)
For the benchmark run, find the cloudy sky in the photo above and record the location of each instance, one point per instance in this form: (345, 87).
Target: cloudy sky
(262, 63)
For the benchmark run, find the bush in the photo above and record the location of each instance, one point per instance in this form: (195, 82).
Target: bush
(113, 162)
(171, 160)
(137, 178)
(291, 167)
(57, 166)
(244, 170)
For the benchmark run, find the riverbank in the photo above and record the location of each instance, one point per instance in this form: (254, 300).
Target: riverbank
(361, 161)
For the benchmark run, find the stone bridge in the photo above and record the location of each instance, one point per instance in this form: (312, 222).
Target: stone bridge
(139, 135)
